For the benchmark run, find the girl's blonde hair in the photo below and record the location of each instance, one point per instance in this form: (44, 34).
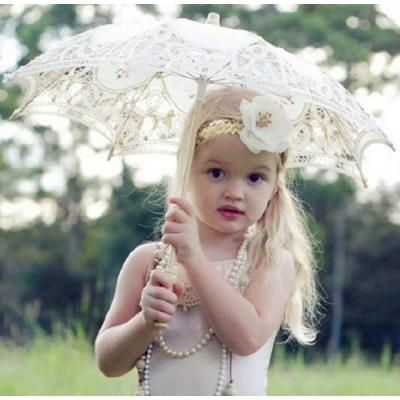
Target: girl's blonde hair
(282, 227)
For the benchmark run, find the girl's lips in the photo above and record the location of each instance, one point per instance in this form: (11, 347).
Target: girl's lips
(230, 212)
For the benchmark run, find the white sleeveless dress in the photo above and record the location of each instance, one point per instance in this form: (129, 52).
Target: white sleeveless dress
(198, 374)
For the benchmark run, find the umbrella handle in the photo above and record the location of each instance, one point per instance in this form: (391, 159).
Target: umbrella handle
(189, 143)
(184, 179)
(173, 277)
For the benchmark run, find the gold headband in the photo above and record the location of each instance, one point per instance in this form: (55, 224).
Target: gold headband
(218, 127)
(225, 126)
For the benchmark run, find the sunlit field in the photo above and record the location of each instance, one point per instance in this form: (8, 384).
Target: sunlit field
(63, 365)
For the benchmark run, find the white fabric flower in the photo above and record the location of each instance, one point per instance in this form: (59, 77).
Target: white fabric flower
(266, 126)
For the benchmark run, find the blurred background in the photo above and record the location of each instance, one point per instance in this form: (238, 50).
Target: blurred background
(69, 217)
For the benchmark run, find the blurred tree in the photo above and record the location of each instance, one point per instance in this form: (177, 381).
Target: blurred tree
(35, 262)
(345, 35)
(87, 254)
(373, 295)
(132, 218)
(328, 202)
(40, 162)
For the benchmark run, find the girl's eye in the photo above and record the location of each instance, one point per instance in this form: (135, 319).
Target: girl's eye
(255, 178)
(216, 173)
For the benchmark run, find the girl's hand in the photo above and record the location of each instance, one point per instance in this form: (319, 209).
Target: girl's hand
(160, 298)
(180, 230)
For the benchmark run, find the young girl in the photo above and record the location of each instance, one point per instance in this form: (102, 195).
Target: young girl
(243, 259)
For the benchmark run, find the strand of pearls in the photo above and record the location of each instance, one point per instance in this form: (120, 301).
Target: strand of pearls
(184, 354)
(222, 371)
(236, 271)
(146, 382)
(234, 280)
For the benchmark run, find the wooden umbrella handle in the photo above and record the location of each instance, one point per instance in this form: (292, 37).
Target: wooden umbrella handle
(173, 277)
(184, 174)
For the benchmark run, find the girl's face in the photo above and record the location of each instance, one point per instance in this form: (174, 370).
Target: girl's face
(230, 186)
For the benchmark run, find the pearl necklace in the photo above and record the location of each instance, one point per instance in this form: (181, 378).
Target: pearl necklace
(143, 365)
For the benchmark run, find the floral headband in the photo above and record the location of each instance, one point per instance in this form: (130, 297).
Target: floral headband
(264, 126)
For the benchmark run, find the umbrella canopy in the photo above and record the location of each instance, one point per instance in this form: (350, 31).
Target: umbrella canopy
(135, 89)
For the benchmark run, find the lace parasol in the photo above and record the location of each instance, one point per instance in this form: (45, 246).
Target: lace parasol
(136, 89)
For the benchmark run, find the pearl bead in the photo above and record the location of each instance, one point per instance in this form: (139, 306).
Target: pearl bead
(245, 280)
(141, 365)
(158, 255)
(230, 390)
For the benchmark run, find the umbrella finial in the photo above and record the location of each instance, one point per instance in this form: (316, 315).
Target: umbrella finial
(213, 18)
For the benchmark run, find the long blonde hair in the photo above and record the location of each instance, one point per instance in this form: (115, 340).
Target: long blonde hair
(282, 227)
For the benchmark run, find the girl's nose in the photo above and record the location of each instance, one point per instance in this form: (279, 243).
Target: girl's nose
(233, 190)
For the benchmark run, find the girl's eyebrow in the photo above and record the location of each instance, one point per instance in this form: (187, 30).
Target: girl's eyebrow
(213, 161)
(263, 166)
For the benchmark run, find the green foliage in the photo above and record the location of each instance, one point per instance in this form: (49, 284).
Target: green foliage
(66, 268)
(36, 262)
(375, 274)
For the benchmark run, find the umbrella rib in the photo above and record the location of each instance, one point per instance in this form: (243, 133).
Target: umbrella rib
(41, 89)
(110, 154)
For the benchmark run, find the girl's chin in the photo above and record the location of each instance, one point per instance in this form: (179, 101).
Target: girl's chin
(224, 228)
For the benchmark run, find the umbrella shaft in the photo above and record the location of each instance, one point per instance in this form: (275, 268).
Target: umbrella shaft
(183, 171)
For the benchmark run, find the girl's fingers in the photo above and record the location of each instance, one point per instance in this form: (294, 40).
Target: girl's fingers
(158, 313)
(179, 289)
(182, 204)
(158, 301)
(159, 278)
(154, 305)
(161, 289)
(170, 227)
(175, 214)
(179, 216)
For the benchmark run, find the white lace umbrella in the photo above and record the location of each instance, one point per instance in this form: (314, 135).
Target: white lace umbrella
(136, 89)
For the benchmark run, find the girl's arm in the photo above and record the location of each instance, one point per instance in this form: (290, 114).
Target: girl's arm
(242, 323)
(129, 327)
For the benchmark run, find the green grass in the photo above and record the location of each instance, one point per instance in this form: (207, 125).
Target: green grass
(63, 365)
(357, 376)
(60, 365)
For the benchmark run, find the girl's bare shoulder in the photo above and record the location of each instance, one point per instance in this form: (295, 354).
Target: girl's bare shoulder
(142, 256)
(134, 274)
(141, 259)
(144, 251)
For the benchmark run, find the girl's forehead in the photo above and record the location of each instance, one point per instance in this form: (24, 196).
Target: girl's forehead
(230, 149)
